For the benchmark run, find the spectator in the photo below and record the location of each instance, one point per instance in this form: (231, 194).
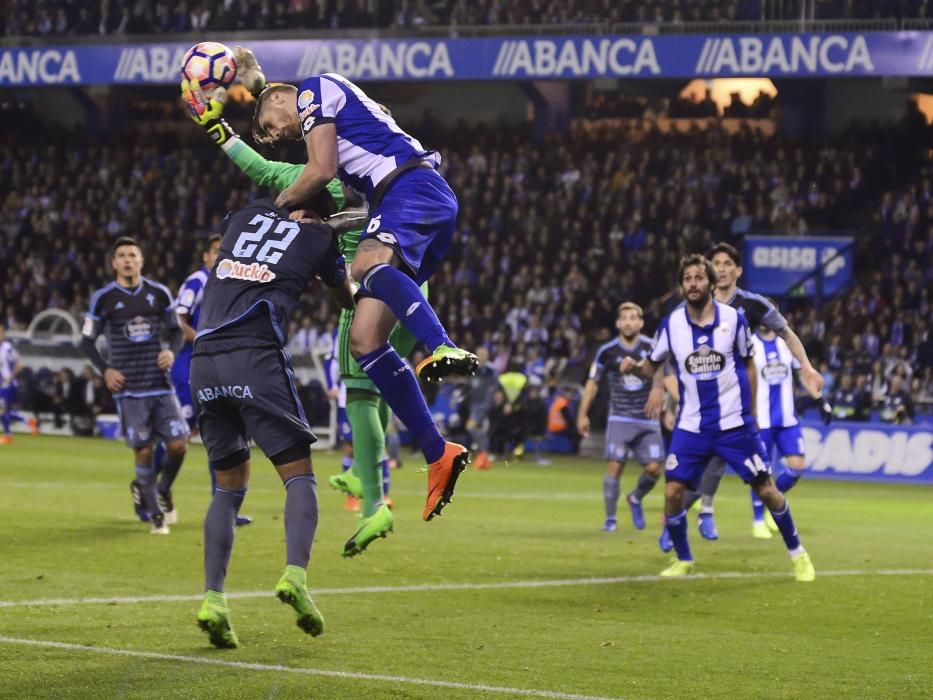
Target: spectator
(850, 401)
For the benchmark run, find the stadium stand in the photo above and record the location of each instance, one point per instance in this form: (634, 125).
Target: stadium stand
(64, 17)
(537, 222)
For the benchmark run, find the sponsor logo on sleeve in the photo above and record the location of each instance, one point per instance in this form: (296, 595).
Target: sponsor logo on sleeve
(305, 98)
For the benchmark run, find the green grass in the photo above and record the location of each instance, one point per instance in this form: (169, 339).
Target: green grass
(67, 531)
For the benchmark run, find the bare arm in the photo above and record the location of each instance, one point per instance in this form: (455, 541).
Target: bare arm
(809, 377)
(655, 401)
(186, 329)
(319, 170)
(343, 294)
(583, 419)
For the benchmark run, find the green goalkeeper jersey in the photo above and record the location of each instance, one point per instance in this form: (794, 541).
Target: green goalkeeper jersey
(270, 173)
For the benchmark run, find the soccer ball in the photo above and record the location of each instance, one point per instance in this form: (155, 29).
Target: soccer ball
(210, 63)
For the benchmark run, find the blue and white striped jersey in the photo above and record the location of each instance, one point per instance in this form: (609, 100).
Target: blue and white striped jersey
(8, 361)
(370, 145)
(775, 365)
(191, 294)
(709, 361)
(332, 373)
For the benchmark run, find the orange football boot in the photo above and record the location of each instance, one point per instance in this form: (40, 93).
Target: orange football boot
(442, 477)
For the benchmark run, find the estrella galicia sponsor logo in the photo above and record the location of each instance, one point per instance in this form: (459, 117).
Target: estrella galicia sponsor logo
(236, 391)
(379, 60)
(552, 58)
(775, 371)
(254, 272)
(705, 363)
(816, 54)
(138, 330)
(38, 67)
(150, 64)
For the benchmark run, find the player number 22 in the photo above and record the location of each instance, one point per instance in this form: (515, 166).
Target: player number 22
(271, 251)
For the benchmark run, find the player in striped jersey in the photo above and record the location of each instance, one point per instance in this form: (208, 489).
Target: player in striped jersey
(710, 346)
(777, 417)
(367, 413)
(10, 368)
(760, 313)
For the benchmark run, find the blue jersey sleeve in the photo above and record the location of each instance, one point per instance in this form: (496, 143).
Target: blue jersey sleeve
(662, 343)
(188, 294)
(318, 102)
(598, 369)
(93, 320)
(744, 347)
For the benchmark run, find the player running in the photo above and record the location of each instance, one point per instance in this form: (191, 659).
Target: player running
(711, 349)
(188, 308)
(777, 418)
(10, 367)
(629, 432)
(760, 313)
(367, 414)
(137, 316)
(243, 387)
(412, 219)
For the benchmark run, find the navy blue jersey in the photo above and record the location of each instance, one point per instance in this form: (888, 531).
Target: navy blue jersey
(134, 322)
(759, 312)
(627, 392)
(264, 266)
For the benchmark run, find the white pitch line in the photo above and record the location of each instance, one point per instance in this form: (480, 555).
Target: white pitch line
(463, 586)
(476, 687)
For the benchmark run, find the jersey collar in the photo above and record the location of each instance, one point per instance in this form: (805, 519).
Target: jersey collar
(131, 292)
(708, 327)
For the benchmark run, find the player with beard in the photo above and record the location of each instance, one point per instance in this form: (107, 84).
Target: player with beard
(760, 313)
(631, 432)
(710, 346)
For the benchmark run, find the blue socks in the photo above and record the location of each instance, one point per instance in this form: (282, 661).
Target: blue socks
(158, 454)
(758, 508)
(677, 529)
(345, 463)
(399, 388)
(385, 477)
(399, 292)
(787, 480)
(218, 535)
(785, 523)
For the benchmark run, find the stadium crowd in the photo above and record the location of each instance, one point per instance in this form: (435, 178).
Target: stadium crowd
(70, 17)
(552, 235)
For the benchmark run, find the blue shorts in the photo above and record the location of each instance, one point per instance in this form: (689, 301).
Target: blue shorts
(789, 441)
(740, 448)
(417, 217)
(181, 379)
(344, 431)
(7, 397)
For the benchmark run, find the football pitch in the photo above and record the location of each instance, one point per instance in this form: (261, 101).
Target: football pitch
(514, 592)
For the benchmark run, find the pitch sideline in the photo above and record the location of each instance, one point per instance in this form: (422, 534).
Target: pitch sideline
(350, 675)
(465, 586)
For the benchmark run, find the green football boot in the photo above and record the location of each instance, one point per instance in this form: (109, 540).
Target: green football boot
(292, 589)
(769, 521)
(803, 568)
(379, 524)
(447, 360)
(348, 482)
(214, 618)
(678, 568)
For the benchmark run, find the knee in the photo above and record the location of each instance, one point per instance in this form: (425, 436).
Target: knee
(177, 449)
(654, 469)
(363, 340)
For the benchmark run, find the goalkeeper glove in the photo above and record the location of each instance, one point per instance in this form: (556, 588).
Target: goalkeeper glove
(248, 70)
(826, 411)
(207, 113)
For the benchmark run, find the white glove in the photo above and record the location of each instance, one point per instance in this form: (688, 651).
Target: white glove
(248, 70)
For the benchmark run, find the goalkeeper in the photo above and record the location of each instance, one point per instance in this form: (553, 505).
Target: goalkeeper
(367, 413)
